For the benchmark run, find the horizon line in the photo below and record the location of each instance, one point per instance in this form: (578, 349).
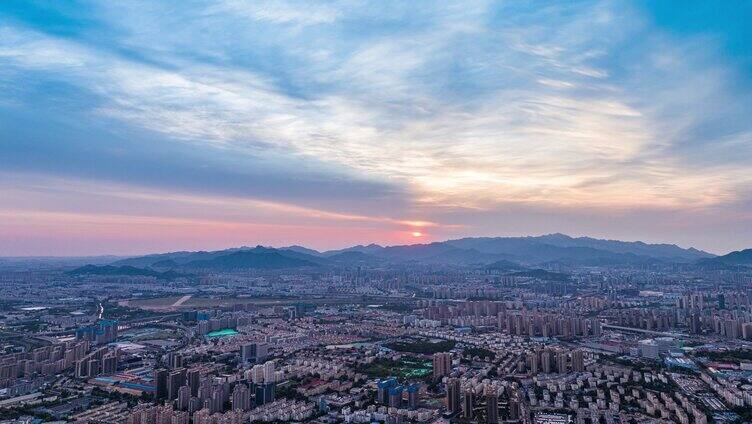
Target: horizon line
(146, 253)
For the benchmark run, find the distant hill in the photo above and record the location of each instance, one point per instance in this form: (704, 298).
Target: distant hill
(167, 263)
(253, 255)
(536, 251)
(354, 257)
(505, 266)
(560, 246)
(301, 249)
(456, 256)
(527, 252)
(259, 258)
(110, 270)
(516, 270)
(661, 251)
(294, 254)
(370, 249)
(177, 258)
(741, 258)
(52, 262)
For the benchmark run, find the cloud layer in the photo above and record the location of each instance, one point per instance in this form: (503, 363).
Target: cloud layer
(294, 120)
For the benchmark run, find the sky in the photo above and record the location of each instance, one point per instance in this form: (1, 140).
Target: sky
(140, 126)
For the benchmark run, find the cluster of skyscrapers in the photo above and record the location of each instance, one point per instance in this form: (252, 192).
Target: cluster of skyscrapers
(103, 332)
(391, 393)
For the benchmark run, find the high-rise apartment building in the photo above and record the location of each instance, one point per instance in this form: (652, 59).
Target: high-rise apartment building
(442, 365)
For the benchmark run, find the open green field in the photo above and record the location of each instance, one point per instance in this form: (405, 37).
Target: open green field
(408, 368)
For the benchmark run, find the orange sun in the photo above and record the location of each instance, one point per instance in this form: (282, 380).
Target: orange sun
(417, 234)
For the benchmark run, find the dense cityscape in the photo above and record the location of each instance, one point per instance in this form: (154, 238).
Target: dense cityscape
(375, 212)
(632, 333)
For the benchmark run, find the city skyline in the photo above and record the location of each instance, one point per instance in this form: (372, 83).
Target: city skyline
(375, 211)
(141, 127)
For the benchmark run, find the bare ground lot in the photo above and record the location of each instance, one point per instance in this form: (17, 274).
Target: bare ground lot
(172, 302)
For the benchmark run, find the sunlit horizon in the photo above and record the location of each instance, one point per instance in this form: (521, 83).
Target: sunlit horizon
(143, 127)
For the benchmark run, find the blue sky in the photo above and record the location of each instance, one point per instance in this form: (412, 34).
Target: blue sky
(138, 126)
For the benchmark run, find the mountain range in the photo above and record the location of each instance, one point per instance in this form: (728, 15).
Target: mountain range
(516, 254)
(733, 260)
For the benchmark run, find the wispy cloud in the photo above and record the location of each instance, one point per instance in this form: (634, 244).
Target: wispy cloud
(448, 107)
(279, 12)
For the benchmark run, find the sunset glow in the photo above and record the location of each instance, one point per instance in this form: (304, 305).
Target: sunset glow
(325, 125)
(456, 211)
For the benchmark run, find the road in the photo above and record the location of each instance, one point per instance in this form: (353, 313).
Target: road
(181, 300)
